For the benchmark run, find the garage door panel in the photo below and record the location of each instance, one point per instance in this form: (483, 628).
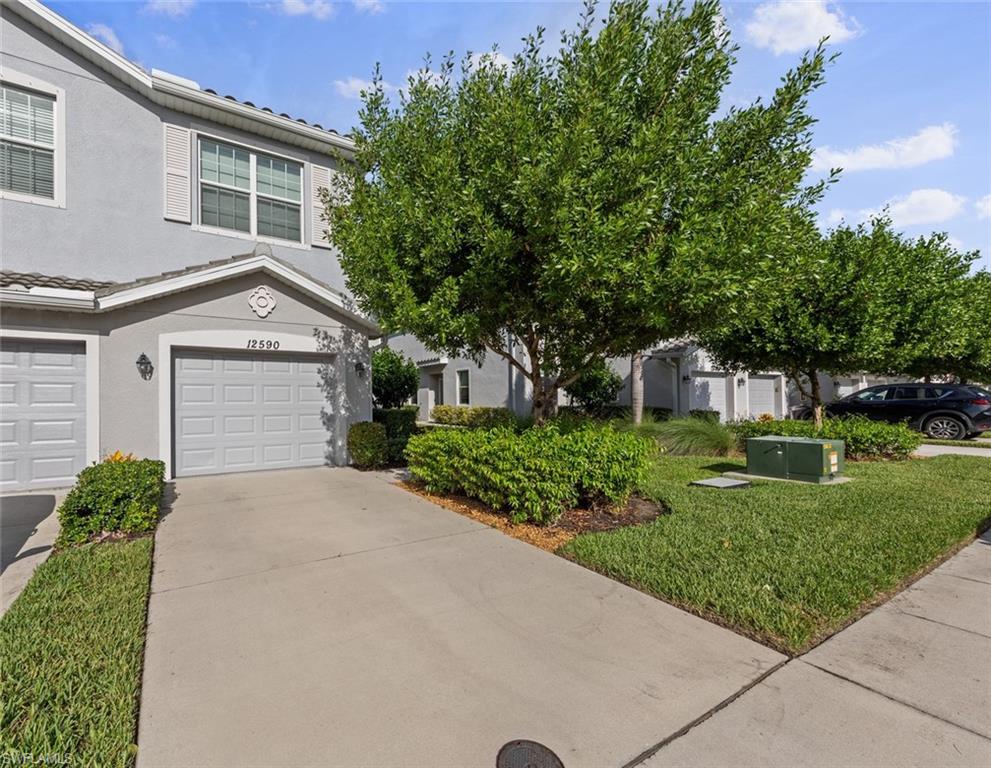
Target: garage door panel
(709, 392)
(42, 413)
(763, 396)
(269, 414)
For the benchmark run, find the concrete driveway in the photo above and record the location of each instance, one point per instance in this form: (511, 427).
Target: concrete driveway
(326, 617)
(28, 529)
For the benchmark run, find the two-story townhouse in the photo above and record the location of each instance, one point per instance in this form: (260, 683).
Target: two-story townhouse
(167, 287)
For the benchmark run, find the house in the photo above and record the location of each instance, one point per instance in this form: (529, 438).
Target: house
(678, 376)
(167, 288)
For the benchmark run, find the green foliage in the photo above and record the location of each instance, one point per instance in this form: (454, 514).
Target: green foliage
(368, 445)
(400, 424)
(695, 437)
(863, 438)
(475, 416)
(585, 201)
(394, 378)
(72, 645)
(704, 413)
(534, 475)
(114, 497)
(596, 387)
(787, 562)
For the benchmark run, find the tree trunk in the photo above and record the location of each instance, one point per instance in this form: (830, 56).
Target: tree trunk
(544, 400)
(816, 397)
(636, 387)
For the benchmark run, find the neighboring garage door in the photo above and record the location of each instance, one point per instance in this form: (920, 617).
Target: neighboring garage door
(764, 396)
(709, 392)
(42, 413)
(240, 412)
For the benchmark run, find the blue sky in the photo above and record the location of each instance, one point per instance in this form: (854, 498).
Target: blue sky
(906, 109)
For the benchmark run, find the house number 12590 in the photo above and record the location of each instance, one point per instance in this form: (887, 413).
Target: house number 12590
(262, 344)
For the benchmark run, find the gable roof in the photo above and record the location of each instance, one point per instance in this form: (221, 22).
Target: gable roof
(79, 294)
(178, 93)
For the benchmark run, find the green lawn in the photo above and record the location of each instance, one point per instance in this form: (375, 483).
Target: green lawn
(72, 646)
(786, 563)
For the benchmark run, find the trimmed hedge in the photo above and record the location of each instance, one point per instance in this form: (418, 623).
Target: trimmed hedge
(613, 411)
(368, 445)
(535, 474)
(120, 496)
(400, 425)
(476, 417)
(862, 437)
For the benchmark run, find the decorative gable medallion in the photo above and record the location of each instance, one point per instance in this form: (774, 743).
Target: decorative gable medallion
(261, 301)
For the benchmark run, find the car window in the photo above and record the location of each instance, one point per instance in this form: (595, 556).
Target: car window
(936, 393)
(981, 391)
(905, 393)
(871, 395)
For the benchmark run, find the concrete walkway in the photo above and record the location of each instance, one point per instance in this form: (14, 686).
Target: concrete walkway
(28, 528)
(907, 685)
(927, 449)
(329, 618)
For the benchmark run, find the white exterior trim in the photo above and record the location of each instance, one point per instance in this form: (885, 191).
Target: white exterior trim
(227, 340)
(178, 93)
(15, 78)
(92, 345)
(48, 298)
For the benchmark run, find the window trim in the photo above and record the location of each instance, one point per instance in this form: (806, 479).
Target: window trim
(457, 386)
(252, 192)
(20, 80)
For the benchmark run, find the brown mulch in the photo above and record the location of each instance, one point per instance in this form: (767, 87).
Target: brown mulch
(555, 535)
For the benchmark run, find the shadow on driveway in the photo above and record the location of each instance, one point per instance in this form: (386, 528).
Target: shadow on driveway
(19, 518)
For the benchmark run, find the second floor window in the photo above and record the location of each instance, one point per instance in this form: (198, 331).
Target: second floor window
(27, 142)
(250, 192)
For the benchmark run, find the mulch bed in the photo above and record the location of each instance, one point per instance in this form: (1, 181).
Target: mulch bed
(555, 535)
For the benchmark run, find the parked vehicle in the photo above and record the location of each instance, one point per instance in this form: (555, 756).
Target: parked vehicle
(944, 411)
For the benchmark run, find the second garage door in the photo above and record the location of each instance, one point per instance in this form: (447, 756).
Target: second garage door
(240, 412)
(764, 396)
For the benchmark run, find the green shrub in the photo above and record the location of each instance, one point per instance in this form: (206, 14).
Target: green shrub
(400, 425)
(862, 437)
(113, 497)
(694, 436)
(596, 387)
(535, 474)
(368, 445)
(704, 413)
(475, 417)
(394, 378)
(620, 412)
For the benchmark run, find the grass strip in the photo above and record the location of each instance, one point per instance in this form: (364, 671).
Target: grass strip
(72, 647)
(789, 564)
(957, 443)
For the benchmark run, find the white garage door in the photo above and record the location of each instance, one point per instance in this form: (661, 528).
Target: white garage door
(709, 392)
(764, 396)
(42, 413)
(240, 412)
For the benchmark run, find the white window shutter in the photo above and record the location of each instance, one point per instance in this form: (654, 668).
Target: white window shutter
(176, 151)
(319, 178)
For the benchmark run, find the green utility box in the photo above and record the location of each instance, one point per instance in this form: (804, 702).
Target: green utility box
(795, 458)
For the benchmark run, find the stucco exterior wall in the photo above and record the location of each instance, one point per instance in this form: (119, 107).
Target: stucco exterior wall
(112, 226)
(219, 316)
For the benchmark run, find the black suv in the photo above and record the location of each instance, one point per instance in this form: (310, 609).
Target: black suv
(945, 411)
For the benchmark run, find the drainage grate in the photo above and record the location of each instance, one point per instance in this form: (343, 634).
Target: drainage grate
(527, 754)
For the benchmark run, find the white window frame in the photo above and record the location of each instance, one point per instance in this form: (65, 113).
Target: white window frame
(252, 233)
(457, 386)
(19, 80)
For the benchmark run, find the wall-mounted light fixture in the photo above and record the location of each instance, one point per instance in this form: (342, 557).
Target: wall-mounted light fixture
(145, 368)
(359, 368)
(686, 377)
(741, 381)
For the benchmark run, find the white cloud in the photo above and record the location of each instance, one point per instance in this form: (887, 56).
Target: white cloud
(165, 41)
(787, 26)
(921, 206)
(983, 207)
(173, 8)
(107, 36)
(369, 6)
(353, 86)
(318, 9)
(933, 142)
(498, 58)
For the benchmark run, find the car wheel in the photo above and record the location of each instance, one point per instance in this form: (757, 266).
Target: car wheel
(945, 428)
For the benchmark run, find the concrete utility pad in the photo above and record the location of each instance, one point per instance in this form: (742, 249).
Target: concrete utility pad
(326, 617)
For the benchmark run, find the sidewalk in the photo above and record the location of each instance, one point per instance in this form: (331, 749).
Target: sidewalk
(907, 685)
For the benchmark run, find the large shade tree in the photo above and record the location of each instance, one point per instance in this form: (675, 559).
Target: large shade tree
(573, 205)
(858, 298)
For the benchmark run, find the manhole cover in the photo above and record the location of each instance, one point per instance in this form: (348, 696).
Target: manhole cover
(527, 754)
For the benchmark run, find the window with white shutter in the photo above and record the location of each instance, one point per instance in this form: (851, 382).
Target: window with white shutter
(319, 179)
(28, 144)
(176, 152)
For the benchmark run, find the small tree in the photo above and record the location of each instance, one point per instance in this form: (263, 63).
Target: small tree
(394, 378)
(596, 387)
(856, 299)
(579, 205)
